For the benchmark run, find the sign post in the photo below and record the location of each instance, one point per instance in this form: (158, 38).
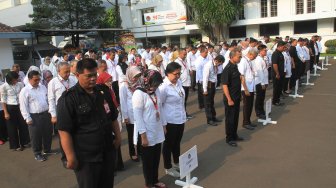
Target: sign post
(188, 163)
(268, 109)
(308, 77)
(296, 91)
(326, 60)
(315, 70)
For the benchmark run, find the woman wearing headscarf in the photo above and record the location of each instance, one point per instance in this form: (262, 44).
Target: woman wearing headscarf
(46, 77)
(172, 96)
(16, 126)
(106, 79)
(45, 63)
(150, 124)
(126, 90)
(31, 68)
(157, 65)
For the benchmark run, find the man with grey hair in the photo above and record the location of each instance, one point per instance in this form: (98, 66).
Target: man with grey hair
(73, 67)
(245, 68)
(62, 82)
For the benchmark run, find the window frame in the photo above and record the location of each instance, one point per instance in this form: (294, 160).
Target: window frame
(274, 8)
(144, 11)
(311, 6)
(263, 9)
(299, 7)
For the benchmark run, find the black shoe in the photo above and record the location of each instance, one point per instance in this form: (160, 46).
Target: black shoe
(261, 116)
(253, 125)
(239, 139)
(40, 158)
(278, 104)
(232, 143)
(249, 127)
(217, 120)
(212, 123)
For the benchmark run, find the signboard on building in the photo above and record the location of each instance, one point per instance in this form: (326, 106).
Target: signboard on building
(163, 17)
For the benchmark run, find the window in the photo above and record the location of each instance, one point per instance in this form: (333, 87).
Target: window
(143, 12)
(305, 27)
(237, 32)
(269, 29)
(310, 6)
(263, 8)
(242, 11)
(274, 8)
(299, 6)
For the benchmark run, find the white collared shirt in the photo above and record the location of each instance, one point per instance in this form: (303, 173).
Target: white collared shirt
(111, 69)
(131, 58)
(73, 77)
(319, 46)
(227, 59)
(191, 58)
(21, 76)
(300, 52)
(147, 57)
(126, 102)
(173, 99)
(121, 76)
(185, 72)
(145, 115)
(10, 93)
(245, 68)
(260, 69)
(165, 58)
(56, 87)
(306, 53)
(1, 85)
(287, 64)
(33, 100)
(209, 74)
(199, 63)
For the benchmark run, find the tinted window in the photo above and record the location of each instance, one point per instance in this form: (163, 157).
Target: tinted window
(305, 27)
(21, 55)
(269, 29)
(237, 32)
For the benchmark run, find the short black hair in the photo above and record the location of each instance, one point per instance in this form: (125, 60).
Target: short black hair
(11, 76)
(220, 58)
(171, 67)
(33, 73)
(281, 43)
(86, 63)
(261, 47)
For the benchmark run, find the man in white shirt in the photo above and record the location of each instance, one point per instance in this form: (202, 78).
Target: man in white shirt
(34, 110)
(56, 87)
(245, 68)
(227, 54)
(131, 56)
(146, 57)
(209, 88)
(261, 81)
(185, 76)
(78, 56)
(253, 43)
(73, 67)
(16, 68)
(165, 57)
(199, 63)
(319, 48)
(111, 66)
(191, 58)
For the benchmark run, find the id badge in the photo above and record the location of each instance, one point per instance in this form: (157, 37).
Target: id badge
(107, 108)
(157, 116)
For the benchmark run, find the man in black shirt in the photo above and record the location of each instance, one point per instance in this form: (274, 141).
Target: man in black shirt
(86, 126)
(231, 80)
(278, 74)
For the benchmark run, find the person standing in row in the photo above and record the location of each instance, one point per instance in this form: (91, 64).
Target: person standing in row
(73, 66)
(3, 128)
(156, 64)
(278, 72)
(191, 58)
(16, 126)
(150, 123)
(199, 63)
(261, 81)
(231, 80)
(296, 64)
(185, 76)
(209, 89)
(245, 68)
(34, 109)
(16, 68)
(88, 144)
(172, 96)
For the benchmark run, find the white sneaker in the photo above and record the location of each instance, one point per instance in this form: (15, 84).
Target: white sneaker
(172, 172)
(176, 166)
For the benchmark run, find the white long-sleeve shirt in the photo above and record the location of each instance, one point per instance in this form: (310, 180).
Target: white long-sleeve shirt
(10, 93)
(165, 58)
(245, 68)
(261, 72)
(120, 74)
(56, 87)
(145, 115)
(288, 64)
(300, 52)
(172, 97)
(126, 106)
(209, 74)
(191, 58)
(306, 53)
(112, 69)
(146, 57)
(185, 72)
(199, 63)
(33, 100)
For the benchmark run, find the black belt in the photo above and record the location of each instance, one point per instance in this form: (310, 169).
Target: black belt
(45, 112)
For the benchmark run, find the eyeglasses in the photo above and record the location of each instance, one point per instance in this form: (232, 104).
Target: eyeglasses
(90, 75)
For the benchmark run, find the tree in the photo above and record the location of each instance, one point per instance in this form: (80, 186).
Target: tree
(67, 14)
(212, 16)
(111, 19)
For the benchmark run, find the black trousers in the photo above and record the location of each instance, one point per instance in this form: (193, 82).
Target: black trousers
(285, 85)
(296, 74)
(17, 128)
(131, 147)
(219, 78)
(41, 132)
(119, 164)
(150, 164)
(200, 95)
(172, 144)
(3, 128)
(209, 103)
(247, 107)
(231, 119)
(115, 87)
(186, 91)
(193, 80)
(97, 174)
(312, 62)
(269, 73)
(259, 101)
(277, 88)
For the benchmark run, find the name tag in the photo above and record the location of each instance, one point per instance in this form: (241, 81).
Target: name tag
(106, 107)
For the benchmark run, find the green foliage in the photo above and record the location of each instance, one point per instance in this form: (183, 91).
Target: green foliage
(330, 43)
(212, 15)
(111, 19)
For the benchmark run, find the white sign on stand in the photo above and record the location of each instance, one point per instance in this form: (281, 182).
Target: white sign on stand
(308, 78)
(188, 162)
(327, 61)
(268, 109)
(296, 95)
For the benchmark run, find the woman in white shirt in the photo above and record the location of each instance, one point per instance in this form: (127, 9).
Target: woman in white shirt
(157, 65)
(16, 126)
(150, 124)
(3, 129)
(121, 68)
(126, 90)
(172, 97)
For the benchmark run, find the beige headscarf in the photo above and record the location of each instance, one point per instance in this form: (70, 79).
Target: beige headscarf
(156, 59)
(131, 72)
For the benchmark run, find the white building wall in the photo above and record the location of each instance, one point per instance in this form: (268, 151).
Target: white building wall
(6, 54)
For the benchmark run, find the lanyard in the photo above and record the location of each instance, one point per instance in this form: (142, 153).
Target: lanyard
(178, 90)
(248, 62)
(155, 100)
(66, 87)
